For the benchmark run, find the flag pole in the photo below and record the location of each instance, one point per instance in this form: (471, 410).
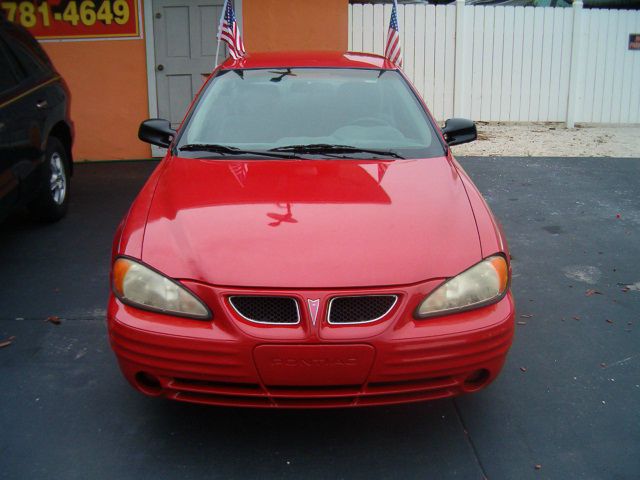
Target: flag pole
(224, 9)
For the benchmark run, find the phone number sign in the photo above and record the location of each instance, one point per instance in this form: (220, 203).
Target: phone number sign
(75, 19)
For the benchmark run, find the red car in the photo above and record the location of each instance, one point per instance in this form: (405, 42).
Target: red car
(309, 241)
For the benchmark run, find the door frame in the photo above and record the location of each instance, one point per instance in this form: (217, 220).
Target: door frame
(149, 39)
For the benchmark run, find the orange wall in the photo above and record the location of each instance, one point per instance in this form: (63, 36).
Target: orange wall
(295, 24)
(108, 84)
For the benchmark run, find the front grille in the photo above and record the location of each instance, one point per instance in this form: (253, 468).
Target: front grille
(259, 309)
(360, 309)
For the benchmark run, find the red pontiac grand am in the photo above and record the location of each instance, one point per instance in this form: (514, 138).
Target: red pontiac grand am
(309, 241)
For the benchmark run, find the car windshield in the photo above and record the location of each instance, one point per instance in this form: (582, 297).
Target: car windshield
(325, 112)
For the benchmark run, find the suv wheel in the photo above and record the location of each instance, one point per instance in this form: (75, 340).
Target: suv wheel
(52, 202)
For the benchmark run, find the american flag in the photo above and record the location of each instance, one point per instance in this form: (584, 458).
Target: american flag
(392, 50)
(230, 34)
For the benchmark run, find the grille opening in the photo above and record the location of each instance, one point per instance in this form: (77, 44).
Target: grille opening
(178, 382)
(405, 397)
(434, 382)
(360, 309)
(476, 380)
(337, 389)
(222, 399)
(148, 383)
(330, 402)
(262, 309)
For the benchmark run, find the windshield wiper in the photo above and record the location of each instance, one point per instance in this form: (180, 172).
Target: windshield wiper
(228, 150)
(320, 148)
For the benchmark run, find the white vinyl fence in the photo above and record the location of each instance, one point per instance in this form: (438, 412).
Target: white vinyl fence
(513, 63)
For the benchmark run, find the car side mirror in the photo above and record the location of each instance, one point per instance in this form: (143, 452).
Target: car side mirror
(459, 130)
(156, 131)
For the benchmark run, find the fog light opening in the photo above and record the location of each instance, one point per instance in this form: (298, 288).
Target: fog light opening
(476, 380)
(148, 383)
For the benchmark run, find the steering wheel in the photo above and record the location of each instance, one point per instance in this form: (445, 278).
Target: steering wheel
(369, 122)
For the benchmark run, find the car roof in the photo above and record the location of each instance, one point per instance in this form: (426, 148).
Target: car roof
(321, 59)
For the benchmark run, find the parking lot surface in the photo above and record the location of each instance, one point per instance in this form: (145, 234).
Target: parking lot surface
(567, 404)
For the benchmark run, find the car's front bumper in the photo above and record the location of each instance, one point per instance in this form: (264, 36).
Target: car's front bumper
(228, 362)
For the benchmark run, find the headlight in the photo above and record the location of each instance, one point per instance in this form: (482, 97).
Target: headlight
(484, 283)
(140, 286)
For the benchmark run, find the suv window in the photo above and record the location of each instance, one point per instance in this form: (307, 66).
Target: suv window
(26, 50)
(30, 63)
(9, 78)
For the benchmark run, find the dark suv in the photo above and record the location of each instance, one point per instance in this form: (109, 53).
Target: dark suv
(36, 133)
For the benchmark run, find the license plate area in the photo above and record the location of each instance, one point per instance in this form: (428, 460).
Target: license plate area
(313, 365)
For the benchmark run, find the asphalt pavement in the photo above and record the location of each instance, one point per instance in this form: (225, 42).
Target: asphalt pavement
(567, 404)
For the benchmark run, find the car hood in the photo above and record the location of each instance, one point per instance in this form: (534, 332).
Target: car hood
(310, 223)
